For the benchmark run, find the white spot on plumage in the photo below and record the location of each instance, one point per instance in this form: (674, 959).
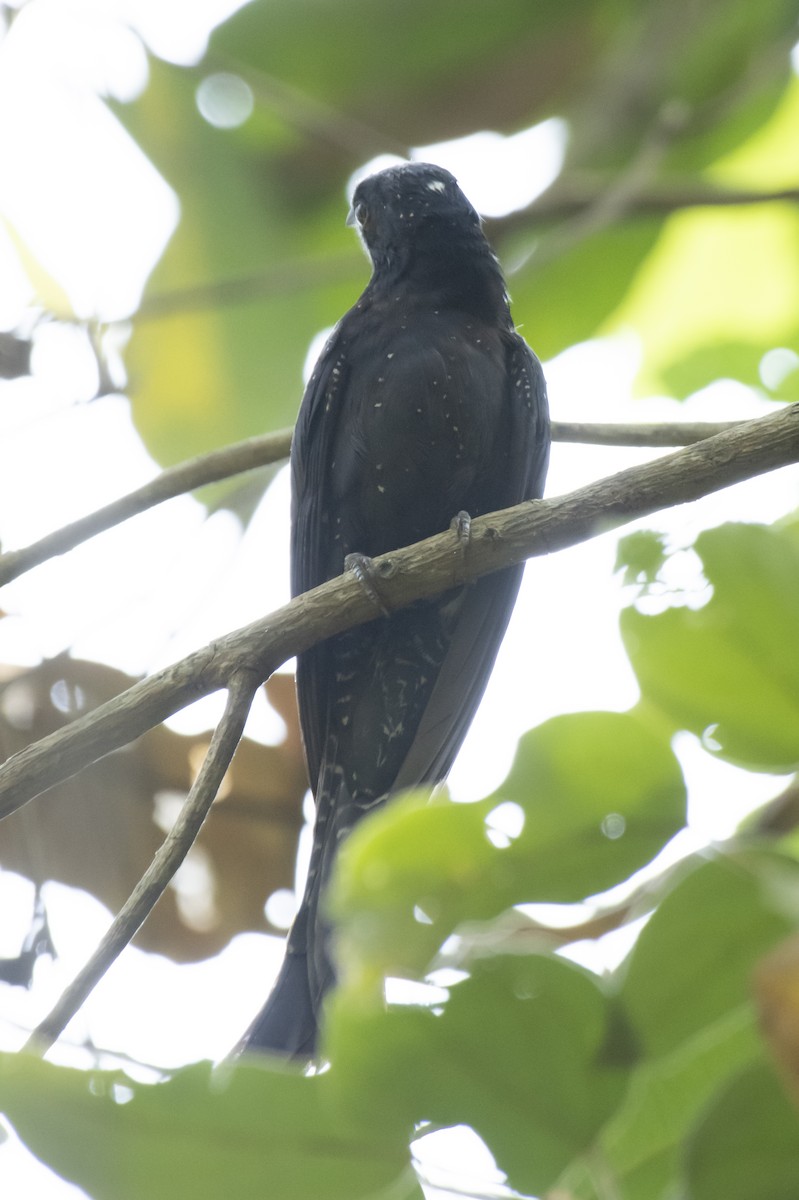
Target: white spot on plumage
(437, 185)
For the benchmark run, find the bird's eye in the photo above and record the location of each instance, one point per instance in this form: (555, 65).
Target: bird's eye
(361, 211)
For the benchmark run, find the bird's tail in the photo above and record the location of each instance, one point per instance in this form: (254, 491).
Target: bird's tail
(288, 1023)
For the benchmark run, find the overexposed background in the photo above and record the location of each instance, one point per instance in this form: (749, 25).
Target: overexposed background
(164, 583)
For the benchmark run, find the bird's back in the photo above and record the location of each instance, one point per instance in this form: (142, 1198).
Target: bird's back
(424, 403)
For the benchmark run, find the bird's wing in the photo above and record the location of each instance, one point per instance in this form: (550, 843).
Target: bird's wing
(479, 613)
(342, 432)
(312, 562)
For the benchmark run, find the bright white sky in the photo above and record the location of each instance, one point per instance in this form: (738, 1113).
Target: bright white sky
(96, 215)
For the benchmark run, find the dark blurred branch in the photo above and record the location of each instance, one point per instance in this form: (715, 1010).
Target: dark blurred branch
(297, 275)
(426, 569)
(780, 815)
(307, 114)
(172, 852)
(566, 200)
(273, 447)
(611, 203)
(572, 196)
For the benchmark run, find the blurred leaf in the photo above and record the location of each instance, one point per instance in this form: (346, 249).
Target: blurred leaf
(722, 287)
(243, 286)
(692, 963)
(731, 667)
(715, 277)
(641, 556)
(260, 261)
(748, 1143)
(788, 387)
(641, 1146)
(594, 817)
(49, 291)
(766, 159)
(590, 818)
(552, 306)
(671, 60)
(720, 360)
(520, 1051)
(386, 77)
(777, 992)
(99, 831)
(250, 1131)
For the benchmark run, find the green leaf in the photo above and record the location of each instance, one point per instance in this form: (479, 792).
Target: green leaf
(730, 668)
(601, 793)
(692, 962)
(748, 1143)
(410, 74)
(766, 159)
(243, 286)
(522, 1051)
(251, 1132)
(641, 1147)
(716, 277)
(552, 306)
(722, 286)
(641, 556)
(738, 360)
(597, 795)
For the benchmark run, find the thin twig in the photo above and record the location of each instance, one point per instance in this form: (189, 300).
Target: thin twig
(175, 481)
(573, 195)
(671, 433)
(273, 447)
(612, 203)
(170, 855)
(306, 113)
(425, 569)
(296, 275)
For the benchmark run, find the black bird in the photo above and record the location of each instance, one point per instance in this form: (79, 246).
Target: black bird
(424, 405)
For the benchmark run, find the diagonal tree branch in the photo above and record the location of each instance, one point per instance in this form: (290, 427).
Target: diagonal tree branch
(274, 447)
(185, 477)
(169, 857)
(425, 569)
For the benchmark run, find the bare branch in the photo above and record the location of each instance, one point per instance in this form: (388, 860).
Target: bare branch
(185, 477)
(273, 447)
(169, 857)
(425, 569)
(672, 433)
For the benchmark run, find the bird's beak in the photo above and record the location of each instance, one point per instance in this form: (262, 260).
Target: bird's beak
(350, 217)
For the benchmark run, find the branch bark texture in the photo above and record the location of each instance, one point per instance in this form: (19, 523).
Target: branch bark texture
(273, 448)
(425, 569)
(161, 870)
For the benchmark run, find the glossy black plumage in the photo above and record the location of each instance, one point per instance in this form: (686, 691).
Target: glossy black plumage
(425, 402)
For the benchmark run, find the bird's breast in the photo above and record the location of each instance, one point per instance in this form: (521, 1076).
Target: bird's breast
(426, 434)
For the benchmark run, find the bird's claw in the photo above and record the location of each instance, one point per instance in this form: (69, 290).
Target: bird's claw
(461, 525)
(362, 568)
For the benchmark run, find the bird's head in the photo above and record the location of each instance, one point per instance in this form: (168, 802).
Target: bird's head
(414, 207)
(405, 197)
